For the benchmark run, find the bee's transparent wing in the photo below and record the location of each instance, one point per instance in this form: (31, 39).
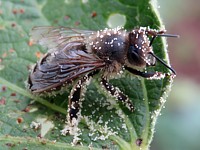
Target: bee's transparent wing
(56, 38)
(60, 68)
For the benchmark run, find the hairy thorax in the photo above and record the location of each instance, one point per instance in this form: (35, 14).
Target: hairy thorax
(110, 45)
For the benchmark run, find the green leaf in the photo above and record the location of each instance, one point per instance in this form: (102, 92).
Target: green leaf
(106, 123)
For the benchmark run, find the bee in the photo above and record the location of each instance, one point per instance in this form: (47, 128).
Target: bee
(76, 55)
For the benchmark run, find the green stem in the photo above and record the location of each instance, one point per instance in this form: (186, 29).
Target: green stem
(29, 95)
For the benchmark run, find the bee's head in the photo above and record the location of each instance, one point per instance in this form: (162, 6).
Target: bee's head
(140, 51)
(139, 48)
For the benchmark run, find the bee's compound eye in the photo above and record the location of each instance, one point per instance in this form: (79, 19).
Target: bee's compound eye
(133, 52)
(133, 56)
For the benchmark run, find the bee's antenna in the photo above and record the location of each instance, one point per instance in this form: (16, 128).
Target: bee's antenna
(168, 35)
(151, 42)
(165, 35)
(162, 62)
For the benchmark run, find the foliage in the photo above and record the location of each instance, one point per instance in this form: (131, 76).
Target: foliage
(106, 124)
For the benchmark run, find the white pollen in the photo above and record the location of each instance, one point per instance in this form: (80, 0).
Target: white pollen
(136, 36)
(108, 33)
(97, 33)
(99, 47)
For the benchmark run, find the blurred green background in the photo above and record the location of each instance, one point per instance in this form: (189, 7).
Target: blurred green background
(178, 127)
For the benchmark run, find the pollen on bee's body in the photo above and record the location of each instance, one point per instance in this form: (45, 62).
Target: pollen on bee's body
(119, 33)
(108, 33)
(105, 30)
(137, 36)
(97, 33)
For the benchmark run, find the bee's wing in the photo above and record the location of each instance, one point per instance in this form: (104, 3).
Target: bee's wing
(62, 67)
(55, 38)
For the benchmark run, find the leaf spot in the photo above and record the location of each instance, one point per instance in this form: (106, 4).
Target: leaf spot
(138, 142)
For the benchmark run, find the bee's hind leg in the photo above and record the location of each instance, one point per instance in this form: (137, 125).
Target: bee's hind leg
(74, 110)
(74, 114)
(74, 99)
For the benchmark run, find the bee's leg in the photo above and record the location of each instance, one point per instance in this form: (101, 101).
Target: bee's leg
(75, 96)
(73, 116)
(114, 91)
(74, 99)
(150, 75)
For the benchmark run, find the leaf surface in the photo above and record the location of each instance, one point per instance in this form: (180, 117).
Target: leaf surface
(106, 123)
